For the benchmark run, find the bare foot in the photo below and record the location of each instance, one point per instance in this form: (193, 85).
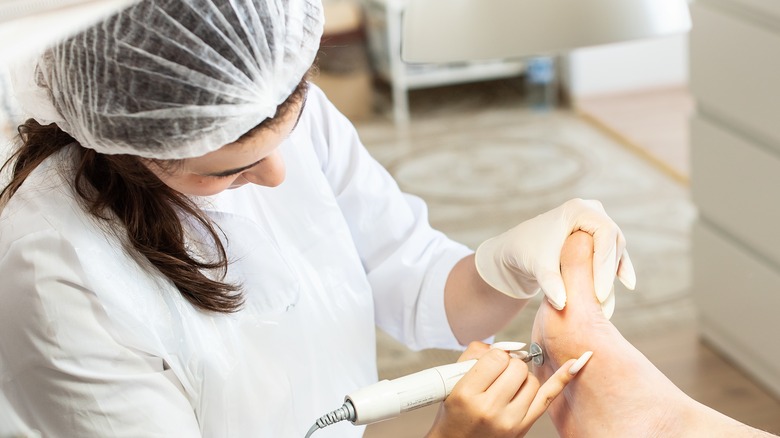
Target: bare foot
(619, 393)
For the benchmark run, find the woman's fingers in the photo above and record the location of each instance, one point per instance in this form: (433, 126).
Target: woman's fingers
(608, 305)
(552, 387)
(498, 391)
(484, 373)
(626, 273)
(497, 373)
(505, 387)
(475, 350)
(524, 398)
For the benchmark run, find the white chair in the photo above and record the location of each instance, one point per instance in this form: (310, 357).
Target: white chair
(384, 33)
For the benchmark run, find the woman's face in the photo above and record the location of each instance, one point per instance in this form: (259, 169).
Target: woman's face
(253, 159)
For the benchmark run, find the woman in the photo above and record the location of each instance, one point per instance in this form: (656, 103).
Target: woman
(194, 241)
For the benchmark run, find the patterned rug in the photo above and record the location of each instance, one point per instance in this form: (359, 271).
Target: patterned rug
(484, 163)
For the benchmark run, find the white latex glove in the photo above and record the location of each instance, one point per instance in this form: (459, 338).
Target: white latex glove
(528, 257)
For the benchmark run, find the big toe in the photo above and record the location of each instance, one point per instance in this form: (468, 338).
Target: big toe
(577, 272)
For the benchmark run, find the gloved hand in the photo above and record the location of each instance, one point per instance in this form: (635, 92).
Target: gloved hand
(526, 258)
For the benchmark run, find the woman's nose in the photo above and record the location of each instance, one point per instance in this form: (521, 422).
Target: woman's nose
(269, 173)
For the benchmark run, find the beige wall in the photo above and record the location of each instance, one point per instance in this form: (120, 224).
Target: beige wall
(627, 66)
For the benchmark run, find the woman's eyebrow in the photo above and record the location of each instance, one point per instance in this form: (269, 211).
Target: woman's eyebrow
(241, 169)
(233, 171)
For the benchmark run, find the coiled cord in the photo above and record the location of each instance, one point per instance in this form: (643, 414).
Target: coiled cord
(345, 412)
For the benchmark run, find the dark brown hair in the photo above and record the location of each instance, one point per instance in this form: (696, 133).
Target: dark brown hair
(121, 188)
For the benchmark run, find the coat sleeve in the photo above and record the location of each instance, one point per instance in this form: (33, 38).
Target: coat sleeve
(407, 261)
(63, 374)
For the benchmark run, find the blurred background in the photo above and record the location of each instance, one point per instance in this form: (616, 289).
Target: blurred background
(676, 136)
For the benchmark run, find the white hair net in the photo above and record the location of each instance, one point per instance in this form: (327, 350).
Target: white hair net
(173, 79)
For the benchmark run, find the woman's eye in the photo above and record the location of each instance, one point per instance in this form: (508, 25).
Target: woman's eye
(232, 175)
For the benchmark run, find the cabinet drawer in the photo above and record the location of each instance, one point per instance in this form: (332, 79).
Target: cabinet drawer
(735, 70)
(736, 185)
(737, 297)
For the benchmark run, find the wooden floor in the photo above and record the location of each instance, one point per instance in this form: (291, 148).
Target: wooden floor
(653, 123)
(710, 379)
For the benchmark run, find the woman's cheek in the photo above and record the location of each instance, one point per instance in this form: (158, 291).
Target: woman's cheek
(212, 186)
(202, 186)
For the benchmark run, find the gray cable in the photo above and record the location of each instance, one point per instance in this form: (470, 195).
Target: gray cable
(383, 399)
(345, 412)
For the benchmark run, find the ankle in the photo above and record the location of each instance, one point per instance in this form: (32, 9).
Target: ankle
(705, 422)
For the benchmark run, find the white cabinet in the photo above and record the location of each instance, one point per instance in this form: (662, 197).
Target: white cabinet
(383, 24)
(737, 296)
(735, 140)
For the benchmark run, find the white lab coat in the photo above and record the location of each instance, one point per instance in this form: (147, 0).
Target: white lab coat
(94, 343)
